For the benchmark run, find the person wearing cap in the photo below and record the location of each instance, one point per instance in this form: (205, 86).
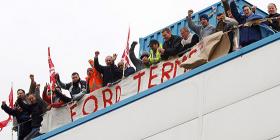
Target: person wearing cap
(275, 23)
(141, 63)
(171, 45)
(203, 30)
(155, 56)
(94, 78)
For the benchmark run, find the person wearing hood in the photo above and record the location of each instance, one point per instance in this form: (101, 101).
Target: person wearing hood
(251, 34)
(77, 88)
(274, 23)
(203, 30)
(141, 63)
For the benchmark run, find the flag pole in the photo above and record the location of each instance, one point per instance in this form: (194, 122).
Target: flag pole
(49, 57)
(12, 133)
(12, 83)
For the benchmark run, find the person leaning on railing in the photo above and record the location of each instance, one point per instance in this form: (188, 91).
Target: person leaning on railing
(188, 40)
(22, 117)
(155, 55)
(274, 23)
(248, 35)
(171, 45)
(77, 88)
(36, 110)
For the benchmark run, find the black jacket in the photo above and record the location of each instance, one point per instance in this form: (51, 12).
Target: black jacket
(187, 47)
(73, 88)
(23, 119)
(129, 71)
(275, 23)
(172, 47)
(36, 110)
(110, 74)
(139, 65)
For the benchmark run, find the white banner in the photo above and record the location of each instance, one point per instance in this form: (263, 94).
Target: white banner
(132, 85)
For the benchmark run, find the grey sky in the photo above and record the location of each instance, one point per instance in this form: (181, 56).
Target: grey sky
(74, 29)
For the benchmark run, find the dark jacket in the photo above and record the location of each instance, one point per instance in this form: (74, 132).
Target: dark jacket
(73, 88)
(135, 61)
(36, 111)
(248, 35)
(129, 71)
(110, 74)
(275, 23)
(23, 119)
(36, 92)
(172, 47)
(187, 47)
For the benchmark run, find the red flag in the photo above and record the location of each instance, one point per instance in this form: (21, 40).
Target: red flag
(126, 50)
(52, 70)
(11, 101)
(4, 123)
(11, 98)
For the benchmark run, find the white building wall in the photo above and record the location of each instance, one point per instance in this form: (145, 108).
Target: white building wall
(238, 100)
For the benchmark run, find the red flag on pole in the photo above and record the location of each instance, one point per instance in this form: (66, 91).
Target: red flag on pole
(126, 50)
(11, 104)
(11, 98)
(52, 70)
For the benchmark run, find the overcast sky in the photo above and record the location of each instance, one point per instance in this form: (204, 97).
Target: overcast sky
(74, 29)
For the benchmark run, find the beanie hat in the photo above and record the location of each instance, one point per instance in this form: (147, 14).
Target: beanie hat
(144, 54)
(204, 16)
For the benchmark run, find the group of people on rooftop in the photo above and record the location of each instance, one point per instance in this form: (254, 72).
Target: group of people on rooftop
(30, 107)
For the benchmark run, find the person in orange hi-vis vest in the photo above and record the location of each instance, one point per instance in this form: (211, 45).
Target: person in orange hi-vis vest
(94, 78)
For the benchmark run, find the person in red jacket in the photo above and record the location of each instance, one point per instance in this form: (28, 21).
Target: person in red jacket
(52, 100)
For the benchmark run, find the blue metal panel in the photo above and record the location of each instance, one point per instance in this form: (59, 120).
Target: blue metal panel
(175, 27)
(164, 85)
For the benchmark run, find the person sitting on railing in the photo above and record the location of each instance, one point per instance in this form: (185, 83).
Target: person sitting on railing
(250, 34)
(188, 40)
(110, 72)
(94, 78)
(22, 117)
(274, 23)
(77, 88)
(49, 96)
(123, 68)
(171, 45)
(155, 55)
(203, 30)
(141, 63)
(36, 111)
